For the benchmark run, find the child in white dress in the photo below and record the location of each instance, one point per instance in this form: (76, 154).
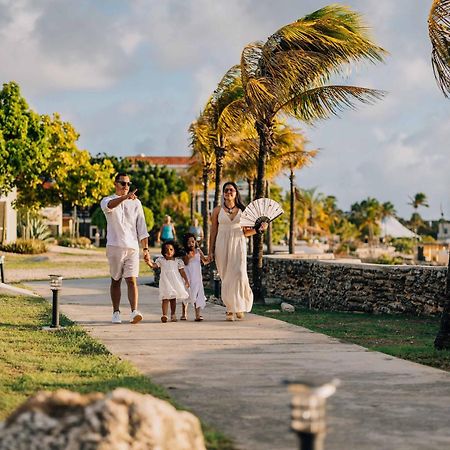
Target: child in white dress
(192, 260)
(173, 282)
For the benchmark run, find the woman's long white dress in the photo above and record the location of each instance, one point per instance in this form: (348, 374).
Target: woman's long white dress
(231, 262)
(171, 284)
(194, 273)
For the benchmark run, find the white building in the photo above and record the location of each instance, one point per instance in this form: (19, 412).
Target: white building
(444, 231)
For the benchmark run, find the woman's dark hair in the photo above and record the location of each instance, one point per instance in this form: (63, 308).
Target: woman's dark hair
(239, 202)
(186, 238)
(178, 249)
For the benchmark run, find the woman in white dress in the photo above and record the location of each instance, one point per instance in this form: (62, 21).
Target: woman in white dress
(228, 247)
(173, 282)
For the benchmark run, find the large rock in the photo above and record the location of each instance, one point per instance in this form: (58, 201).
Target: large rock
(120, 420)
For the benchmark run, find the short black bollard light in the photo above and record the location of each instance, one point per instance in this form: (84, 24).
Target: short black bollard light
(308, 410)
(55, 286)
(216, 278)
(2, 273)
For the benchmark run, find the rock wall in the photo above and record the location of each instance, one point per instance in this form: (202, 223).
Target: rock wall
(372, 288)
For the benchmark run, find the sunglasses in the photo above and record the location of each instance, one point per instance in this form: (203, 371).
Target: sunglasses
(124, 183)
(229, 190)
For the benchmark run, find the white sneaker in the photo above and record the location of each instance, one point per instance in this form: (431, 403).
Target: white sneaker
(136, 316)
(116, 317)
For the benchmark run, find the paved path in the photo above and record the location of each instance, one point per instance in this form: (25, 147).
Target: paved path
(230, 374)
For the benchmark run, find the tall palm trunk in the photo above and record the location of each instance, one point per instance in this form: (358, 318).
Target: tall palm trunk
(442, 341)
(292, 214)
(250, 183)
(264, 129)
(205, 177)
(269, 229)
(220, 153)
(192, 206)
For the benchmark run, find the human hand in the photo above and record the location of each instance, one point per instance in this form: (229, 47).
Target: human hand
(210, 258)
(146, 256)
(186, 283)
(132, 195)
(263, 227)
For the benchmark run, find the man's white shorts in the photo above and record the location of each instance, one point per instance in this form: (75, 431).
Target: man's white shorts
(123, 262)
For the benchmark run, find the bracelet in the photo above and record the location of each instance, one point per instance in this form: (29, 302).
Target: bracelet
(144, 249)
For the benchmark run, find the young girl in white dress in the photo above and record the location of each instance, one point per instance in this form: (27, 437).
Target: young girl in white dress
(173, 282)
(193, 266)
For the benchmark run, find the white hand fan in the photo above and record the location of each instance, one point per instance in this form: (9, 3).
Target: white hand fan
(260, 211)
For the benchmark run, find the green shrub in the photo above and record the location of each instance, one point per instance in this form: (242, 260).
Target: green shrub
(25, 247)
(403, 245)
(81, 242)
(386, 259)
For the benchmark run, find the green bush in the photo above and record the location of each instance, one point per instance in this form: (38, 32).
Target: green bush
(403, 245)
(386, 259)
(25, 247)
(81, 242)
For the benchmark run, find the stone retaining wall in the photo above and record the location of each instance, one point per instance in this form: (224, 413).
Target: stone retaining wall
(372, 288)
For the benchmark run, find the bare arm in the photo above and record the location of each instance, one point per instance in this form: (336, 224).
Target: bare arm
(204, 259)
(144, 244)
(117, 201)
(214, 229)
(250, 231)
(158, 238)
(151, 263)
(184, 276)
(174, 232)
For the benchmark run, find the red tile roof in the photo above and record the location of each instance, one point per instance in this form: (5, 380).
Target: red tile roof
(163, 160)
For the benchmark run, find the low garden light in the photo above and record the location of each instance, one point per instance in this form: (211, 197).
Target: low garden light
(216, 279)
(55, 286)
(2, 272)
(308, 411)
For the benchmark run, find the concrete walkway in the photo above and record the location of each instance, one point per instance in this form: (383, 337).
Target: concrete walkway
(231, 374)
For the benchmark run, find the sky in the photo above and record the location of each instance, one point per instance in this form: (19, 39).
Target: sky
(132, 75)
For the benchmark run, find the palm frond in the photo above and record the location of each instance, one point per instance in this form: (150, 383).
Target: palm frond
(439, 31)
(325, 101)
(236, 119)
(334, 30)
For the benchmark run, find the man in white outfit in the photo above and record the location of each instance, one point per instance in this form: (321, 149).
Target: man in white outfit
(126, 228)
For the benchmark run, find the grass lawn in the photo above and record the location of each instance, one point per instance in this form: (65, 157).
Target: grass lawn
(402, 336)
(32, 359)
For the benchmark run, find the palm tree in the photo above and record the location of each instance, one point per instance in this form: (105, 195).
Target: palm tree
(228, 90)
(439, 31)
(312, 211)
(294, 158)
(420, 199)
(289, 73)
(204, 156)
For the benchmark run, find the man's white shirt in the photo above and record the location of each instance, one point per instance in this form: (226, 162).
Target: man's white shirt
(126, 223)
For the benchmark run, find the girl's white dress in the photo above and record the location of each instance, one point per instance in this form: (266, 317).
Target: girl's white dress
(231, 262)
(194, 273)
(171, 284)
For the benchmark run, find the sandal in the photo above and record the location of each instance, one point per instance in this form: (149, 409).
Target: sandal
(230, 317)
(173, 318)
(199, 318)
(240, 315)
(164, 319)
(183, 318)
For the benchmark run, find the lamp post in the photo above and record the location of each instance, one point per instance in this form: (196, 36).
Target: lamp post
(308, 407)
(2, 262)
(55, 286)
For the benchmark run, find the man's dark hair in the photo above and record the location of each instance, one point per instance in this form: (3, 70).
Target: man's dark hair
(120, 174)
